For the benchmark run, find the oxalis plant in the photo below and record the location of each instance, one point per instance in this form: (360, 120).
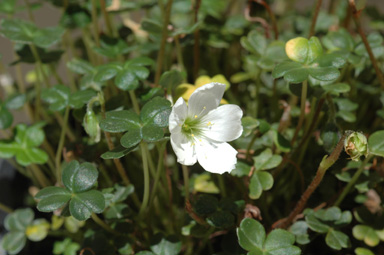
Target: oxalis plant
(192, 127)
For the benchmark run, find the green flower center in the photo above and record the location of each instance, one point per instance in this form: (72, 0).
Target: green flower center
(191, 127)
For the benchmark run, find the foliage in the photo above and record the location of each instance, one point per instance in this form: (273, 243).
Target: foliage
(100, 109)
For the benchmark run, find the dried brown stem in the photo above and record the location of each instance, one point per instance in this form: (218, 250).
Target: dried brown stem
(326, 163)
(356, 18)
(314, 18)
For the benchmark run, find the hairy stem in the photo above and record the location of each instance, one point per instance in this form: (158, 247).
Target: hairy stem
(5, 208)
(325, 164)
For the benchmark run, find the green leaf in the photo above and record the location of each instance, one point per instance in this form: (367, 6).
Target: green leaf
(19, 220)
(14, 242)
(316, 225)
(241, 169)
(47, 37)
(7, 6)
(300, 230)
(171, 79)
(145, 253)
(251, 235)
(79, 177)
(156, 112)
(257, 41)
(15, 101)
(106, 72)
(336, 88)
(337, 240)
(132, 137)
(280, 241)
(296, 75)
(165, 245)
(363, 251)
(52, 198)
(65, 247)
(324, 73)
(83, 204)
(117, 152)
(260, 181)
(265, 160)
(80, 98)
(57, 97)
(80, 66)
(18, 30)
(366, 234)
(205, 205)
(23, 146)
(281, 69)
(6, 118)
(120, 121)
(38, 230)
(376, 143)
(249, 124)
(221, 219)
(152, 133)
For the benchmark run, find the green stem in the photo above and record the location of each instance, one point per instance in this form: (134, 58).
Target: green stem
(54, 72)
(29, 9)
(107, 19)
(253, 140)
(104, 225)
(39, 63)
(352, 182)
(196, 45)
(71, 136)
(159, 170)
(164, 36)
(179, 53)
(5, 208)
(43, 181)
(95, 23)
(134, 101)
(146, 179)
(304, 90)
(186, 182)
(61, 145)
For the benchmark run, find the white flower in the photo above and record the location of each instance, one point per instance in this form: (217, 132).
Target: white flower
(199, 131)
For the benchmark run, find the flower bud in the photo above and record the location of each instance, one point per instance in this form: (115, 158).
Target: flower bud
(91, 126)
(356, 145)
(302, 50)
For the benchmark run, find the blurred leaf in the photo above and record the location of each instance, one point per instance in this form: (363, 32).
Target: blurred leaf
(242, 169)
(205, 205)
(15, 101)
(260, 181)
(265, 160)
(171, 79)
(249, 124)
(26, 32)
(376, 143)
(57, 97)
(23, 147)
(161, 245)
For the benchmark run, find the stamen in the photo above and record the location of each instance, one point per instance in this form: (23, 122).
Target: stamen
(196, 116)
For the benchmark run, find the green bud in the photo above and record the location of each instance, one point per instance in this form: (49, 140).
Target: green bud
(91, 126)
(302, 50)
(356, 145)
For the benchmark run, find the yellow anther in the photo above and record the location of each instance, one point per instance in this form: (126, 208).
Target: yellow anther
(195, 116)
(192, 135)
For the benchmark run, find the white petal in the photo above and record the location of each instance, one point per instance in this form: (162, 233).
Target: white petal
(216, 157)
(224, 123)
(183, 149)
(177, 116)
(208, 96)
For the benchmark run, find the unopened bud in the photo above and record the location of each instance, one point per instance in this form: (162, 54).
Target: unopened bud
(356, 145)
(91, 126)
